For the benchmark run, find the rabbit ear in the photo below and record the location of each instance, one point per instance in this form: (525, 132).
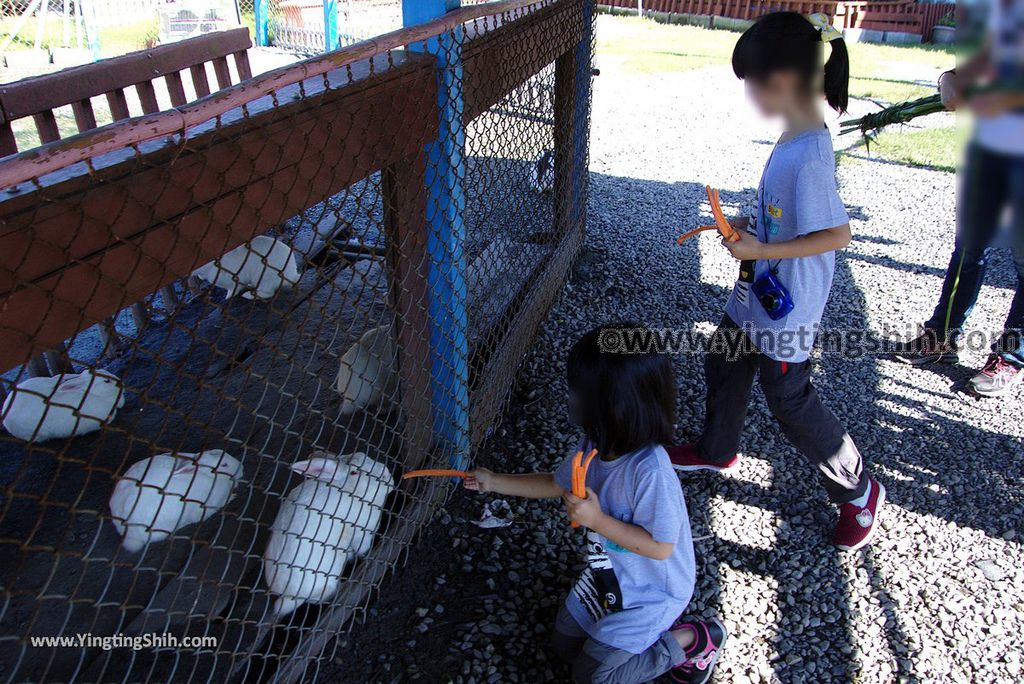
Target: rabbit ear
(75, 382)
(184, 467)
(318, 468)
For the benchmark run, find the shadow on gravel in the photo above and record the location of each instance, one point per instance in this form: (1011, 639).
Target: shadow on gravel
(477, 606)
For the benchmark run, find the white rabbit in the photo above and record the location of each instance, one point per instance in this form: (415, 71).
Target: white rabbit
(543, 179)
(370, 482)
(368, 371)
(322, 524)
(161, 494)
(264, 265)
(62, 406)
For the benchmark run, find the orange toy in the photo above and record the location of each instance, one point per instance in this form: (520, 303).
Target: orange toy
(722, 225)
(579, 475)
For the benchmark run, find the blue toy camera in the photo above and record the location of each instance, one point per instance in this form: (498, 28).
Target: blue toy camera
(773, 295)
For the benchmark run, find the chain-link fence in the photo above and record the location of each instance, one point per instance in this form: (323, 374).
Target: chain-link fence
(302, 25)
(76, 31)
(230, 327)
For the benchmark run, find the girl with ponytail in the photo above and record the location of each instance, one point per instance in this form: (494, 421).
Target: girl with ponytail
(787, 252)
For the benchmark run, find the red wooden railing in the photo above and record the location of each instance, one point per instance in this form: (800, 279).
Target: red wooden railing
(882, 15)
(41, 96)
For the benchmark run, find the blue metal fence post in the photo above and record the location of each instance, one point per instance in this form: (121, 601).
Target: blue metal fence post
(331, 25)
(92, 30)
(262, 19)
(446, 277)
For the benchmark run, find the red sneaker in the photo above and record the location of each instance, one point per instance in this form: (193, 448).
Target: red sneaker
(686, 458)
(857, 523)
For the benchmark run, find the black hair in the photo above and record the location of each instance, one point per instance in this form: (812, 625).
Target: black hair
(789, 41)
(624, 401)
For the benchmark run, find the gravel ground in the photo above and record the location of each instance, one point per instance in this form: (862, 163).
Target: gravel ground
(937, 598)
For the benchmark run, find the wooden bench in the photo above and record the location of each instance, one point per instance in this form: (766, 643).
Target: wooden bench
(38, 97)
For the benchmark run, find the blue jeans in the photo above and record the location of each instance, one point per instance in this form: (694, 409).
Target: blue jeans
(991, 183)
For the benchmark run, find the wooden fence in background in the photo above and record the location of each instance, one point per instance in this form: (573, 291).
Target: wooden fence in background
(884, 15)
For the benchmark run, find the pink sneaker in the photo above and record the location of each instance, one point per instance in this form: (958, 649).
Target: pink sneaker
(997, 378)
(686, 458)
(709, 638)
(857, 523)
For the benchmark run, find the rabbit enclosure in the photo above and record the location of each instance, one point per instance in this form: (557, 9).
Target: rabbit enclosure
(230, 326)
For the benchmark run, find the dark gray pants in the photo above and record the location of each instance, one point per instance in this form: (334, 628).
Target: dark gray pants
(792, 399)
(595, 663)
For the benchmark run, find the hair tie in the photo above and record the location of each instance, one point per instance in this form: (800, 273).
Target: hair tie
(821, 22)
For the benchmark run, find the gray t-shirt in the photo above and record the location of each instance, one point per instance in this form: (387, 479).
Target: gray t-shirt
(797, 196)
(622, 599)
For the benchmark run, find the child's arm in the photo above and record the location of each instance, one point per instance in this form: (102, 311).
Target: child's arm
(587, 512)
(819, 242)
(528, 485)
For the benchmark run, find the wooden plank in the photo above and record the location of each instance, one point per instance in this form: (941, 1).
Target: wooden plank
(564, 134)
(175, 88)
(118, 104)
(85, 117)
(222, 72)
(199, 80)
(46, 125)
(147, 96)
(8, 145)
(31, 95)
(242, 65)
(500, 60)
(235, 183)
(403, 186)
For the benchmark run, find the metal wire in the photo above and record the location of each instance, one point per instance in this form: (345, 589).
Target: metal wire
(223, 348)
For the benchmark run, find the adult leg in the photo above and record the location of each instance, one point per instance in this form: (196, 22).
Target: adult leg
(1005, 367)
(812, 428)
(729, 369)
(984, 192)
(599, 663)
(1011, 346)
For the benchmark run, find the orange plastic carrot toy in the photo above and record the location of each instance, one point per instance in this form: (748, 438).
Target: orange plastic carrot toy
(435, 472)
(722, 224)
(579, 475)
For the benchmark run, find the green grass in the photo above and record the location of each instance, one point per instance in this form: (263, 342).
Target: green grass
(890, 72)
(933, 148)
(882, 72)
(648, 47)
(114, 40)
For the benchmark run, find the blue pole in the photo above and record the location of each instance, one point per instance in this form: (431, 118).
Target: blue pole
(92, 31)
(446, 238)
(262, 19)
(331, 24)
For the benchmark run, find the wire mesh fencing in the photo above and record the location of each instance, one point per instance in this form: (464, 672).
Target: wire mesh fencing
(231, 326)
(308, 26)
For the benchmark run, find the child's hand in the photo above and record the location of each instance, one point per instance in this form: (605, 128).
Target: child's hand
(584, 511)
(479, 480)
(747, 248)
